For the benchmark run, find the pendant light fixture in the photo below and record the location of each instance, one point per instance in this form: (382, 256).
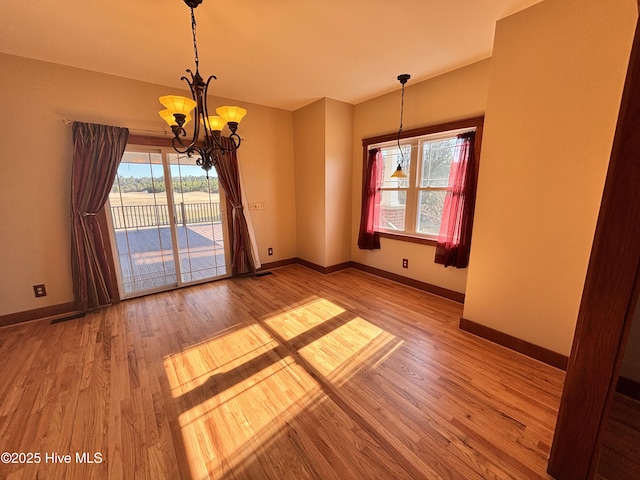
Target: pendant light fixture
(403, 78)
(178, 110)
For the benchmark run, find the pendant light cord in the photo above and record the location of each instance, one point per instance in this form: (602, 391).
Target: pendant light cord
(193, 30)
(404, 78)
(401, 115)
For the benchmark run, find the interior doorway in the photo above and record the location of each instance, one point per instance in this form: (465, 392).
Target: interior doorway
(167, 222)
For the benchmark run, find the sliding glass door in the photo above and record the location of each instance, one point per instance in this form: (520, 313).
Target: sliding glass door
(168, 222)
(199, 220)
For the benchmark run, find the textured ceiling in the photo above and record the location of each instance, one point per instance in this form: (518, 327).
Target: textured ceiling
(279, 53)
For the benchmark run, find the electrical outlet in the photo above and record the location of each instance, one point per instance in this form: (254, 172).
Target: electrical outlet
(39, 290)
(405, 263)
(270, 251)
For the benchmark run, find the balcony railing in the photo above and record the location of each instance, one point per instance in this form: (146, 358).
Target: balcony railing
(140, 216)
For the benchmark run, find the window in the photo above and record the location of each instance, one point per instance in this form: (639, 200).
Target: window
(411, 208)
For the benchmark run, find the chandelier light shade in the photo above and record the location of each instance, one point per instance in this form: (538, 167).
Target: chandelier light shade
(403, 78)
(177, 114)
(231, 114)
(168, 117)
(398, 173)
(215, 123)
(178, 105)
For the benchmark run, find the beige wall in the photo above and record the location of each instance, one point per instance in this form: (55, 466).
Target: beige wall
(322, 145)
(309, 147)
(452, 96)
(36, 166)
(556, 81)
(339, 132)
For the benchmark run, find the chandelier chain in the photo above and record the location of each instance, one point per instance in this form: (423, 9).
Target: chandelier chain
(195, 43)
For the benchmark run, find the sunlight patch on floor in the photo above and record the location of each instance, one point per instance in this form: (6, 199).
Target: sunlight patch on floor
(225, 353)
(341, 353)
(228, 429)
(238, 392)
(300, 319)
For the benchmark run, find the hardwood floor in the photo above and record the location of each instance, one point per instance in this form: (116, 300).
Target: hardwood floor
(294, 375)
(620, 455)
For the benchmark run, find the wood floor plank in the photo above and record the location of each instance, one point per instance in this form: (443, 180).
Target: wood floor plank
(291, 375)
(620, 456)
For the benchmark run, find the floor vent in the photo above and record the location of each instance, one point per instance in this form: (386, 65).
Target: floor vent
(70, 317)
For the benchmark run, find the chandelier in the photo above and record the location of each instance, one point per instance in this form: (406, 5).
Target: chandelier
(178, 109)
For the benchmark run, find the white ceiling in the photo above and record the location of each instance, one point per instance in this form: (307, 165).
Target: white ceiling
(278, 53)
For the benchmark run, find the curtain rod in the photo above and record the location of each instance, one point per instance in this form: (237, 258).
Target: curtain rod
(133, 131)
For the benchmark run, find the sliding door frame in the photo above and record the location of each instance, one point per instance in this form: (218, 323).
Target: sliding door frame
(157, 145)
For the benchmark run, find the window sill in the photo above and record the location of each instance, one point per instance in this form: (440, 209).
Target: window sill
(408, 238)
